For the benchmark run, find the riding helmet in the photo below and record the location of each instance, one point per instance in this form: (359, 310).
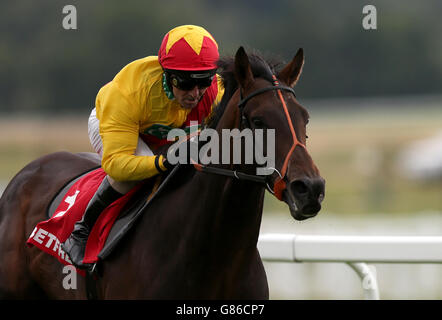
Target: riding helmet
(188, 48)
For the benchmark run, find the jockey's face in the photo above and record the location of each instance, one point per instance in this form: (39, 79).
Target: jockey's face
(188, 99)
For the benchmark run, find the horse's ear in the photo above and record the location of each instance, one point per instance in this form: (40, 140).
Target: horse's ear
(243, 71)
(291, 72)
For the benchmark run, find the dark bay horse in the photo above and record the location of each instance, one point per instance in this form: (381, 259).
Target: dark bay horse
(197, 239)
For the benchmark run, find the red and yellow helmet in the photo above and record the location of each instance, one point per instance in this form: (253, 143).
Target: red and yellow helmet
(188, 48)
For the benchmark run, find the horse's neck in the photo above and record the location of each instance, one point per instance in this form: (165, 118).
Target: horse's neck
(238, 206)
(230, 118)
(244, 202)
(234, 212)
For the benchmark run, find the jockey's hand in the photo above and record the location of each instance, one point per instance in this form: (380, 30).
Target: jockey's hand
(162, 164)
(173, 148)
(161, 157)
(168, 165)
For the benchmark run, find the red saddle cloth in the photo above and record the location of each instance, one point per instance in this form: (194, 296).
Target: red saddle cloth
(50, 234)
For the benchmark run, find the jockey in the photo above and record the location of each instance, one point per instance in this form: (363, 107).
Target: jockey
(134, 112)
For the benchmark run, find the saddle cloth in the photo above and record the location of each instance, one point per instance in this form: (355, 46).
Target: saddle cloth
(48, 235)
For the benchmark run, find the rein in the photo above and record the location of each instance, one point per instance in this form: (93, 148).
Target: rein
(279, 185)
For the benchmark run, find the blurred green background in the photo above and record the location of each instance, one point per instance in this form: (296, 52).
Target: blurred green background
(45, 68)
(370, 93)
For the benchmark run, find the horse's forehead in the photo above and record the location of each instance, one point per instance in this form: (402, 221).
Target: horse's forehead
(289, 98)
(261, 83)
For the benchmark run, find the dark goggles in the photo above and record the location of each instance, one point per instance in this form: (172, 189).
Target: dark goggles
(187, 80)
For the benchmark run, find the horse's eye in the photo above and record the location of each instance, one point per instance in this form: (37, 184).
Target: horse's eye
(258, 123)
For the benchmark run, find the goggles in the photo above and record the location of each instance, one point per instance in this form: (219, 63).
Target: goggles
(187, 81)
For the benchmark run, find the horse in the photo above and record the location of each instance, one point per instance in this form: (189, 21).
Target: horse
(198, 238)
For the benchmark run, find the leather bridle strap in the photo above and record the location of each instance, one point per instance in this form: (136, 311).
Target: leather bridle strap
(243, 101)
(262, 90)
(229, 173)
(220, 171)
(280, 185)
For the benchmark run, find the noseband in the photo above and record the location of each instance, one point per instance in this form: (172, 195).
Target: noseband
(279, 185)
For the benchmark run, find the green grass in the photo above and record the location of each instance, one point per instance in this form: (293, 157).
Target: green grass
(356, 153)
(340, 142)
(24, 139)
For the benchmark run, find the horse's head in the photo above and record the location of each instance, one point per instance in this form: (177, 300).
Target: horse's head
(296, 179)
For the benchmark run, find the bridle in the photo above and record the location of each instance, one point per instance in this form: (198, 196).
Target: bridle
(279, 185)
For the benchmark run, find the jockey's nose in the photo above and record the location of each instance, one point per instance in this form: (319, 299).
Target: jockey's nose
(195, 92)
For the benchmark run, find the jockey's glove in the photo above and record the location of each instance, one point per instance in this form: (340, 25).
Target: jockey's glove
(162, 164)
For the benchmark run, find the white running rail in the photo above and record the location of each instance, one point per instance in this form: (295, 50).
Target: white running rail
(356, 251)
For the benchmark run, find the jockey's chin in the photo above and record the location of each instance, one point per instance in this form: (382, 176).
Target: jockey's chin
(189, 103)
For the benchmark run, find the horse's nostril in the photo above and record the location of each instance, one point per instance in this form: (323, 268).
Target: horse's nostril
(299, 187)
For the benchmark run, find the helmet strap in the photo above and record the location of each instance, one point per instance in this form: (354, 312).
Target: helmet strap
(167, 90)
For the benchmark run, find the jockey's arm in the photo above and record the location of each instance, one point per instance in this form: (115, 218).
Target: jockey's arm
(119, 130)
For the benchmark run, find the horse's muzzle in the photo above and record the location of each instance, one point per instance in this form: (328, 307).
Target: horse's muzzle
(304, 197)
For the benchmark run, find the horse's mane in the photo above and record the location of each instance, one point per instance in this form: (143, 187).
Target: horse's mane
(261, 68)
